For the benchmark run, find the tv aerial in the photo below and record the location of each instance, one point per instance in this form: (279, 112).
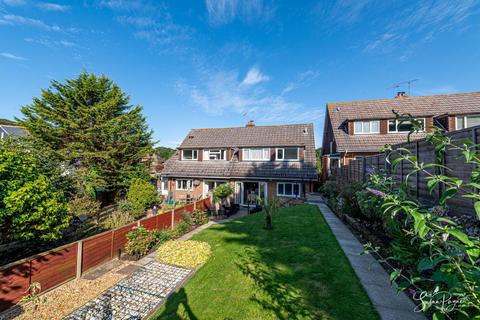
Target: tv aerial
(408, 83)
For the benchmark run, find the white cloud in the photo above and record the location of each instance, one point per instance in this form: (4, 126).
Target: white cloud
(217, 92)
(225, 11)
(254, 76)
(11, 56)
(425, 20)
(48, 6)
(15, 20)
(302, 79)
(47, 42)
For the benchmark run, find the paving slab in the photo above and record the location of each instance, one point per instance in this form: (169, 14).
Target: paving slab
(374, 279)
(136, 296)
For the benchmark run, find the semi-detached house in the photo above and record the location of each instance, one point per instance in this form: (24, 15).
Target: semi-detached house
(263, 161)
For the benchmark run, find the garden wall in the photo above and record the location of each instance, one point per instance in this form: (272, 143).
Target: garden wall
(357, 169)
(56, 266)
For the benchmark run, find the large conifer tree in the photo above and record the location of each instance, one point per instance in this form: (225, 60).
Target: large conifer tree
(90, 124)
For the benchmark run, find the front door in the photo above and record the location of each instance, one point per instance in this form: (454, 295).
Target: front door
(248, 192)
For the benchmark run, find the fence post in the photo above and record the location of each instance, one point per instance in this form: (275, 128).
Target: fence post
(364, 168)
(79, 258)
(173, 218)
(194, 205)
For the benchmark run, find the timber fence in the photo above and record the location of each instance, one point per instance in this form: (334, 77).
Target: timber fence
(57, 266)
(358, 169)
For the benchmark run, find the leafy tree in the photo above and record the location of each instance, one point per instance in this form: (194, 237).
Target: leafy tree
(89, 124)
(7, 122)
(32, 193)
(141, 195)
(164, 153)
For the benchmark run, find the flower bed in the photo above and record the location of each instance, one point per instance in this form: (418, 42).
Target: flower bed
(189, 254)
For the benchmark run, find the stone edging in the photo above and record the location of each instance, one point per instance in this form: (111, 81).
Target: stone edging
(372, 276)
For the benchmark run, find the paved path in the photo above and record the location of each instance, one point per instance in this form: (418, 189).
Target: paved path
(372, 276)
(140, 294)
(136, 296)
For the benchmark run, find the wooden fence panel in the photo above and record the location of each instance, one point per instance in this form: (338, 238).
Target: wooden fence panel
(164, 220)
(356, 169)
(120, 237)
(149, 223)
(177, 217)
(97, 250)
(14, 281)
(188, 208)
(54, 268)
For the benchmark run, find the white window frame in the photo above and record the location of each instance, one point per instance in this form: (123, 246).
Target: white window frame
(363, 122)
(291, 195)
(188, 184)
(221, 152)
(265, 152)
(465, 120)
(398, 121)
(194, 154)
(283, 154)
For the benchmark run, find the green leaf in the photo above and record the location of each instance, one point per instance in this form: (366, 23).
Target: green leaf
(477, 209)
(394, 275)
(447, 194)
(463, 237)
(438, 316)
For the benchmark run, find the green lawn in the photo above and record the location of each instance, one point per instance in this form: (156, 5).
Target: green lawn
(296, 271)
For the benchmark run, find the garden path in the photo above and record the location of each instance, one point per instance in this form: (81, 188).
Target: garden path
(372, 276)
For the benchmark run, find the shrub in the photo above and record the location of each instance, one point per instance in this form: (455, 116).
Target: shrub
(140, 240)
(84, 206)
(199, 217)
(329, 189)
(141, 195)
(125, 206)
(117, 219)
(222, 192)
(180, 229)
(188, 254)
(187, 218)
(347, 198)
(162, 236)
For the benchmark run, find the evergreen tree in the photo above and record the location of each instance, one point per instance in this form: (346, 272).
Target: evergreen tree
(90, 125)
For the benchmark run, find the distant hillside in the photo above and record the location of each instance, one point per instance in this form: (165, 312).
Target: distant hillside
(164, 153)
(7, 122)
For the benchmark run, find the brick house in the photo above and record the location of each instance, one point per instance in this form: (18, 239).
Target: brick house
(361, 128)
(265, 161)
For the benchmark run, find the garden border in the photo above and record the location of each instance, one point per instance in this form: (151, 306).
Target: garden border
(389, 304)
(57, 266)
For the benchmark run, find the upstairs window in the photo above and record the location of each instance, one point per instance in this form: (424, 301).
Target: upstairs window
(191, 154)
(256, 154)
(184, 184)
(287, 154)
(367, 127)
(467, 121)
(214, 154)
(404, 125)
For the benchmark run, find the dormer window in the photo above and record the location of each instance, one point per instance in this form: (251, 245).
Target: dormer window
(214, 154)
(287, 154)
(366, 127)
(256, 154)
(397, 125)
(189, 154)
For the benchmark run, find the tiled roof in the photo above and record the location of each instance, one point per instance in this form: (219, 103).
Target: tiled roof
(258, 136)
(453, 104)
(13, 130)
(435, 105)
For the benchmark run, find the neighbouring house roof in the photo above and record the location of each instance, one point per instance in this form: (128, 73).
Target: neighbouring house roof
(16, 131)
(426, 106)
(300, 135)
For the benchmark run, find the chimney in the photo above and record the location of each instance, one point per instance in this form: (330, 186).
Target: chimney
(250, 124)
(401, 94)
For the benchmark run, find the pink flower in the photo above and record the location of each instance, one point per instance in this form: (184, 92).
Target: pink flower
(377, 192)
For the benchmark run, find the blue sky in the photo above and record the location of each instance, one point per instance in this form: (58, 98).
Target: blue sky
(214, 63)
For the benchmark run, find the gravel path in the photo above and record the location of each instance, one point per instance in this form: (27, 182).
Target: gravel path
(134, 297)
